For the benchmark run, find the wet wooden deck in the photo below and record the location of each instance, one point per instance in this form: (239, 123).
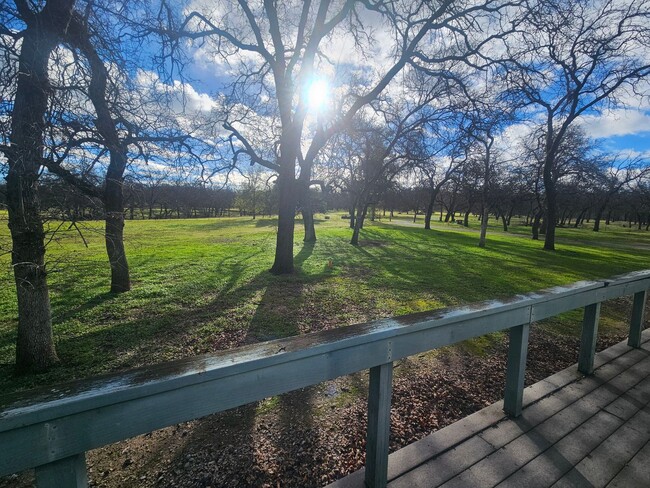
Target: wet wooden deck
(574, 431)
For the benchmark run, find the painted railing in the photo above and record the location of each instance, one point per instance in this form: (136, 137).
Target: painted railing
(52, 429)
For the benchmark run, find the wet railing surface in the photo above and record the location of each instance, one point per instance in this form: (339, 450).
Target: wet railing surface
(52, 429)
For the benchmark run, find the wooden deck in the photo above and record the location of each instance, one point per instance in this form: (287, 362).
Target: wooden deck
(574, 431)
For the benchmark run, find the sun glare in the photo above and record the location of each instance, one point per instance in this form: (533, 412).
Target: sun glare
(317, 94)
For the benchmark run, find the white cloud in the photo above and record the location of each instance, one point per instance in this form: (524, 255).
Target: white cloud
(618, 122)
(184, 97)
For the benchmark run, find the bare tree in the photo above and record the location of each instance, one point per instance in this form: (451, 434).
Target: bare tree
(40, 30)
(573, 161)
(615, 173)
(252, 192)
(282, 47)
(571, 58)
(128, 121)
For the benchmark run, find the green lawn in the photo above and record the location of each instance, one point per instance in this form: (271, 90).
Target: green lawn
(201, 285)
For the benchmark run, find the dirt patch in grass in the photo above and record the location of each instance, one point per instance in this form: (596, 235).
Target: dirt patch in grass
(316, 435)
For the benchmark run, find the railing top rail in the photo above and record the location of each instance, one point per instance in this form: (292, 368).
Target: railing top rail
(27, 408)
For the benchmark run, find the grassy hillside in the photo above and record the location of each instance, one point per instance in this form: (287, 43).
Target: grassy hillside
(201, 285)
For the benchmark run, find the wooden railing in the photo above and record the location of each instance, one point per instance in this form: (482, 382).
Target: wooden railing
(51, 430)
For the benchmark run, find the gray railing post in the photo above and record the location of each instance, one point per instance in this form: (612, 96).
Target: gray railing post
(588, 338)
(517, 351)
(379, 392)
(636, 324)
(69, 472)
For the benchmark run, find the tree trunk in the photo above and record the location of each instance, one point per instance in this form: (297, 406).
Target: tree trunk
(35, 345)
(113, 184)
(485, 215)
(283, 263)
(308, 224)
(536, 224)
(429, 213)
(579, 219)
(510, 212)
(504, 220)
(466, 219)
(550, 218)
(361, 219)
(307, 213)
(113, 204)
(358, 225)
(598, 217)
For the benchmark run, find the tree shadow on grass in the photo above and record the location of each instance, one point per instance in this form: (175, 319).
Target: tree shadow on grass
(268, 222)
(304, 254)
(60, 314)
(178, 329)
(277, 303)
(271, 437)
(450, 268)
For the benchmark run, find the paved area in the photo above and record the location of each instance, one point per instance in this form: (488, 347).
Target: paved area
(574, 431)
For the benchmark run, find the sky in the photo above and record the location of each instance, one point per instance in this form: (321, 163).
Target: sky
(624, 128)
(621, 130)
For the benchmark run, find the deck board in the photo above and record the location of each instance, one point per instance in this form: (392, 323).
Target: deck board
(574, 431)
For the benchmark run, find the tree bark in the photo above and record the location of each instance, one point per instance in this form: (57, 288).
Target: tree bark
(485, 215)
(35, 344)
(78, 35)
(283, 263)
(114, 230)
(429, 213)
(536, 224)
(308, 223)
(550, 218)
(307, 213)
(599, 215)
(360, 217)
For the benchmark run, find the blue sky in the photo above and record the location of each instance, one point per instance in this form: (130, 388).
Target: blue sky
(637, 142)
(622, 129)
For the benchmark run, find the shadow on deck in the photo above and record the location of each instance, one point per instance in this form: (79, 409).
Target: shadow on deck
(574, 430)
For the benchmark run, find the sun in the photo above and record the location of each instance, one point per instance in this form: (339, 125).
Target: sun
(317, 93)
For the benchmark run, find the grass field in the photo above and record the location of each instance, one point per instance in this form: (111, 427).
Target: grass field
(201, 285)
